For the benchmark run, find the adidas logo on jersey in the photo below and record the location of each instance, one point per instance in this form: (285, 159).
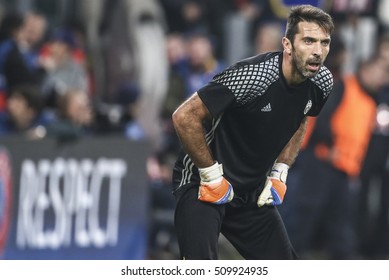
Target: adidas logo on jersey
(267, 108)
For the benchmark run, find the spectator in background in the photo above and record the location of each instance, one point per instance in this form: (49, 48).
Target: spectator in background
(24, 113)
(203, 64)
(64, 72)
(14, 65)
(331, 161)
(178, 69)
(34, 30)
(177, 53)
(75, 116)
(78, 32)
(268, 37)
(128, 97)
(11, 23)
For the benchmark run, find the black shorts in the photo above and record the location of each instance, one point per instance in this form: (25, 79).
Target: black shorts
(256, 233)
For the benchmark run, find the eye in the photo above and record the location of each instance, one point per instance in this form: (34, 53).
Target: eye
(325, 43)
(308, 41)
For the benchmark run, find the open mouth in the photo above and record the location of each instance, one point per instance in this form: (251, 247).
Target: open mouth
(312, 66)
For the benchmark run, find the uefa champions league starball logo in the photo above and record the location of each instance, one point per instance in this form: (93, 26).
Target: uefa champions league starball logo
(5, 197)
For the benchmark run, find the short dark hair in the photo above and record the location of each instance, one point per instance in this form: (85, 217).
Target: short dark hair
(9, 24)
(31, 94)
(307, 13)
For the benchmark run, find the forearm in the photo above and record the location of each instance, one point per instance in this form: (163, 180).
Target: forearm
(291, 150)
(188, 122)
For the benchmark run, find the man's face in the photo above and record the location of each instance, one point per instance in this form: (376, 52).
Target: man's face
(34, 28)
(309, 49)
(199, 51)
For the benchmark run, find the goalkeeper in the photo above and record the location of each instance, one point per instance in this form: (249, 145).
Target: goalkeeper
(240, 133)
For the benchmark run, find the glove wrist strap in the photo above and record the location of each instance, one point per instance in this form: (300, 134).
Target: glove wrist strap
(211, 173)
(280, 171)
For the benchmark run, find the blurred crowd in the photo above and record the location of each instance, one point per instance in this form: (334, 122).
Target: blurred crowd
(71, 69)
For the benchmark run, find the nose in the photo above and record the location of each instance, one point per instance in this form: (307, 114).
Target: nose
(317, 50)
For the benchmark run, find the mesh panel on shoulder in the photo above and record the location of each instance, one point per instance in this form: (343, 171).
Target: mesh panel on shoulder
(324, 80)
(248, 81)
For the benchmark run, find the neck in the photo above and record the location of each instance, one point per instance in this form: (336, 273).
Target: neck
(291, 75)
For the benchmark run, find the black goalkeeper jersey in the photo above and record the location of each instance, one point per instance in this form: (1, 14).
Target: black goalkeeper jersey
(255, 114)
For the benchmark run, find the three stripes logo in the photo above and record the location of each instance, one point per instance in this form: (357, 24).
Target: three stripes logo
(267, 108)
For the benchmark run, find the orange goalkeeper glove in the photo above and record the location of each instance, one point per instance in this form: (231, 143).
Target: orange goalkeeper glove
(275, 188)
(214, 188)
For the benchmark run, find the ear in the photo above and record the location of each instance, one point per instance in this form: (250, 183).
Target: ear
(287, 45)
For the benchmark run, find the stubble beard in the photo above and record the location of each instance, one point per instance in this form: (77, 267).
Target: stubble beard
(299, 67)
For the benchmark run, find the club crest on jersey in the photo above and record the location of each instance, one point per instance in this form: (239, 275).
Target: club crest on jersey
(307, 107)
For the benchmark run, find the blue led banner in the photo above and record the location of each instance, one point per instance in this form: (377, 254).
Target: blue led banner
(82, 200)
